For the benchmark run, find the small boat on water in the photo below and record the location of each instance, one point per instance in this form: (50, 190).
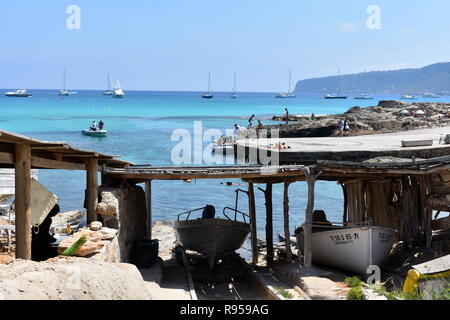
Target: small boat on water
(409, 97)
(335, 96)
(64, 91)
(108, 92)
(223, 145)
(362, 96)
(208, 95)
(430, 95)
(118, 92)
(18, 93)
(94, 133)
(287, 94)
(234, 92)
(212, 237)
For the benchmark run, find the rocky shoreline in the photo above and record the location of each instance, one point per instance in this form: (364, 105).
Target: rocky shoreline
(388, 116)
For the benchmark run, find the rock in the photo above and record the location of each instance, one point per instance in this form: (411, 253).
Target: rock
(109, 204)
(95, 225)
(392, 104)
(92, 245)
(71, 279)
(370, 294)
(60, 221)
(354, 109)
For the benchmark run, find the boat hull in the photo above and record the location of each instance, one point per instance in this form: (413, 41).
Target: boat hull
(337, 97)
(213, 238)
(97, 133)
(352, 249)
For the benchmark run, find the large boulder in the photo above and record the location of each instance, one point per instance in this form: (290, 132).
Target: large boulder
(71, 279)
(392, 104)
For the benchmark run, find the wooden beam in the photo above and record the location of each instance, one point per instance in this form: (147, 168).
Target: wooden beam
(44, 163)
(23, 201)
(252, 212)
(269, 223)
(148, 197)
(307, 227)
(6, 158)
(287, 234)
(91, 189)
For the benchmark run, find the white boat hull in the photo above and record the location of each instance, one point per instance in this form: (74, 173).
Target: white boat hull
(352, 249)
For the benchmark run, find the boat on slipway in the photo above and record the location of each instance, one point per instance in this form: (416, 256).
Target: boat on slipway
(211, 236)
(352, 249)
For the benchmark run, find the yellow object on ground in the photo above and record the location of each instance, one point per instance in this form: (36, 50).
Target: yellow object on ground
(413, 277)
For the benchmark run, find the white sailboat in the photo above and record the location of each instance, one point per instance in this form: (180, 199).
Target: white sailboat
(287, 94)
(336, 95)
(64, 91)
(109, 91)
(118, 92)
(362, 95)
(234, 93)
(208, 95)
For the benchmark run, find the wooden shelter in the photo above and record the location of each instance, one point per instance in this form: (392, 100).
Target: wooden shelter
(24, 154)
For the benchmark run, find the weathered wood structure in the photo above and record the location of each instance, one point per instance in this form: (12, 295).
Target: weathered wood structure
(24, 154)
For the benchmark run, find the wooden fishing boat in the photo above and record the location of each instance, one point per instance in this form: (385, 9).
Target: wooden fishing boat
(210, 236)
(94, 133)
(351, 249)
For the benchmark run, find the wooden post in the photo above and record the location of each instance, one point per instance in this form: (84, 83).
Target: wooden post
(287, 236)
(148, 196)
(345, 215)
(269, 223)
(252, 212)
(310, 180)
(23, 201)
(92, 189)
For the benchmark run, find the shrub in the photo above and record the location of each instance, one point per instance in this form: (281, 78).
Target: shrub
(355, 294)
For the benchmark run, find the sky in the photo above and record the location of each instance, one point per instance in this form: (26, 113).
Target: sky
(173, 44)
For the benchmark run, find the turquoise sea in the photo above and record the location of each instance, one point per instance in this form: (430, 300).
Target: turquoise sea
(140, 126)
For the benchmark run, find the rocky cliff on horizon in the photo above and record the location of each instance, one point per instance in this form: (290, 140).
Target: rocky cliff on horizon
(434, 78)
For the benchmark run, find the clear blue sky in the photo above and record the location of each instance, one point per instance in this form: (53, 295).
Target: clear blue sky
(172, 44)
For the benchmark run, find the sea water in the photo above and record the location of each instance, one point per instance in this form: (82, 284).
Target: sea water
(139, 129)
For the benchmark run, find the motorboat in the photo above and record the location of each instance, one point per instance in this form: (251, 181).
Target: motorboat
(210, 236)
(351, 249)
(335, 96)
(430, 95)
(362, 96)
(118, 92)
(224, 145)
(208, 94)
(409, 97)
(18, 93)
(94, 133)
(108, 92)
(287, 94)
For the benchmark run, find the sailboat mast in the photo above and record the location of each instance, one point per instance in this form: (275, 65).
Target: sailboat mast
(234, 86)
(289, 90)
(209, 80)
(64, 80)
(109, 83)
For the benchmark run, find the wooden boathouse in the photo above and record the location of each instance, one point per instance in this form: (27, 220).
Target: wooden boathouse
(401, 193)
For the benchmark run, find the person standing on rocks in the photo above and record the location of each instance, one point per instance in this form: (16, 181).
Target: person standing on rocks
(286, 116)
(258, 129)
(250, 121)
(341, 127)
(346, 128)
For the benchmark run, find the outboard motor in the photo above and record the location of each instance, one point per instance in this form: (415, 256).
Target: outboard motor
(209, 212)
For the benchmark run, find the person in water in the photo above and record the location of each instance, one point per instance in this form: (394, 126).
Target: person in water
(100, 125)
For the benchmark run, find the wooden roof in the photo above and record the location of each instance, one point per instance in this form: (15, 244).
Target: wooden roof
(52, 154)
(331, 170)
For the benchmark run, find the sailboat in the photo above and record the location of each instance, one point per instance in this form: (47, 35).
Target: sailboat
(64, 92)
(288, 94)
(208, 95)
(118, 93)
(362, 95)
(336, 95)
(234, 93)
(108, 92)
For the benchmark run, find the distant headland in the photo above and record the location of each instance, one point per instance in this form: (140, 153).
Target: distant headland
(434, 78)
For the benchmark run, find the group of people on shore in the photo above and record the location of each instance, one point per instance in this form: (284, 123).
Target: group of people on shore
(344, 128)
(95, 126)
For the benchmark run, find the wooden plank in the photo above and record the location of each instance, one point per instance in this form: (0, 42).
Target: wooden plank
(287, 234)
(269, 223)
(23, 201)
(6, 158)
(44, 163)
(252, 212)
(91, 189)
(148, 196)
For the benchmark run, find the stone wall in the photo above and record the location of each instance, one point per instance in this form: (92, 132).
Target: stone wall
(124, 208)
